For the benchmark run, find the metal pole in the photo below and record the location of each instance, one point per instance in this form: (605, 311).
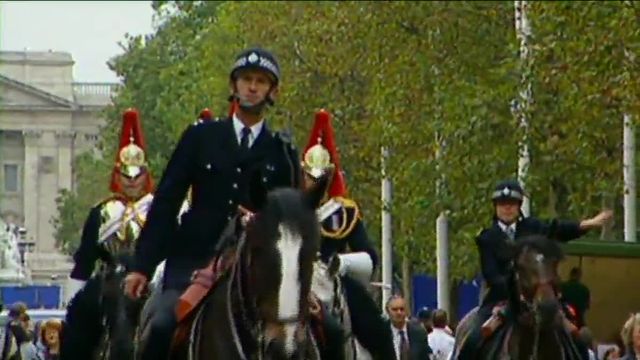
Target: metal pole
(442, 249)
(387, 263)
(629, 174)
(523, 32)
(442, 233)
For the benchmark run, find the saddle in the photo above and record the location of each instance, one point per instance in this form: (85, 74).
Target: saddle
(204, 280)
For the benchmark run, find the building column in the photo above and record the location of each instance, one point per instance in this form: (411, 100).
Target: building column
(30, 182)
(65, 141)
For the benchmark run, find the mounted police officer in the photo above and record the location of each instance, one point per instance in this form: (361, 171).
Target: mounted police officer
(345, 244)
(108, 237)
(219, 160)
(494, 243)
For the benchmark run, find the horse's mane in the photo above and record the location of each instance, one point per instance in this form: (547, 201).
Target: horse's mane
(546, 246)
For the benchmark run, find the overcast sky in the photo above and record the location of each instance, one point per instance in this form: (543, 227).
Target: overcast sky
(88, 30)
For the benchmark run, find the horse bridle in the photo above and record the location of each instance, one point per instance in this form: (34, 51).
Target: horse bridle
(247, 315)
(530, 305)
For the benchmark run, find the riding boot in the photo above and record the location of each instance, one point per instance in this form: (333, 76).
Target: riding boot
(331, 341)
(366, 320)
(83, 328)
(161, 327)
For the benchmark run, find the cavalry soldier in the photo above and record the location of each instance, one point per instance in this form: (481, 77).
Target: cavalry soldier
(494, 243)
(345, 244)
(109, 233)
(218, 160)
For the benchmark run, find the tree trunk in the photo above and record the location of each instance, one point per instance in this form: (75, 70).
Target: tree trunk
(406, 281)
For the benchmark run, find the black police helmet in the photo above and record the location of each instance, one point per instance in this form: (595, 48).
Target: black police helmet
(508, 190)
(256, 58)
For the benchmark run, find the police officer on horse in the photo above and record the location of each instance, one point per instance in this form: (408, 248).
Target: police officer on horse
(494, 244)
(221, 161)
(344, 241)
(108, 237)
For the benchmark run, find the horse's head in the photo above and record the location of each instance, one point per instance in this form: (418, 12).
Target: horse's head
(282, 242)
(536, 271)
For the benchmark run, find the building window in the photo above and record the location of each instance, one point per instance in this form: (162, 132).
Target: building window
(11, 178)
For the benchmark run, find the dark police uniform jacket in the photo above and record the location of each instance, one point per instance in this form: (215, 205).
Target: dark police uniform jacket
(496, 254)
(344, 229)
(209, 159)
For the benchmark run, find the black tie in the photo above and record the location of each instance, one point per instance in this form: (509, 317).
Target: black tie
(404, 346)
(244, 140)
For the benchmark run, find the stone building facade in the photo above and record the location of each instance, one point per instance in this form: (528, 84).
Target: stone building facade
(46, 119)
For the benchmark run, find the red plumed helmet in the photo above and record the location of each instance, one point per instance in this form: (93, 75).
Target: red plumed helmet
(321, 154)
(131, 159)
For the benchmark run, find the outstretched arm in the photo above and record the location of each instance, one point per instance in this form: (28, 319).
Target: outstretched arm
(358, 240)
(563, 230)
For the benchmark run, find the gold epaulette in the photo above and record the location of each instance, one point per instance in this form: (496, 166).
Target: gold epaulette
(348, 223)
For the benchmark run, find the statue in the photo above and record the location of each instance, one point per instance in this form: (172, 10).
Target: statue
(11, 267)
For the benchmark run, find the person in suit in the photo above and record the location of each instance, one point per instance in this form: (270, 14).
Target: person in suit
(221, 161)
(495, 245)
(409, 337)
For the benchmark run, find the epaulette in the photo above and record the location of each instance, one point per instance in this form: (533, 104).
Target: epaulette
(348, 222)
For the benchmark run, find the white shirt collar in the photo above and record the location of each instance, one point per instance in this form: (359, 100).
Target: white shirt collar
(255, 129)
(396, 331)
(504, 226)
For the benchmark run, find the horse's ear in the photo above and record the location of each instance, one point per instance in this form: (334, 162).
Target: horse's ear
(315, 193)
(257, 191)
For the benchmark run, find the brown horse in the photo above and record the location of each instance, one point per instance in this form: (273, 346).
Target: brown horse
(534, 327)
(259, 309)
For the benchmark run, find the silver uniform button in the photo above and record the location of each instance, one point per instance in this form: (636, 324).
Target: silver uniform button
(235, 186)
(230, 202)
(238, 170)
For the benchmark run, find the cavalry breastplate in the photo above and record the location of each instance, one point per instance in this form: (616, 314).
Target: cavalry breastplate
(126, 220)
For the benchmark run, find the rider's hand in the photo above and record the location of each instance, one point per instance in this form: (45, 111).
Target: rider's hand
(135, 285)
(597, 221)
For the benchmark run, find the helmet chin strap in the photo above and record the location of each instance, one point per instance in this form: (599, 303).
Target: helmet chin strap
(254, 109)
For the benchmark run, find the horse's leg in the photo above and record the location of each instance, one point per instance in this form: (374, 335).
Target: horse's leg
(161, 326)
